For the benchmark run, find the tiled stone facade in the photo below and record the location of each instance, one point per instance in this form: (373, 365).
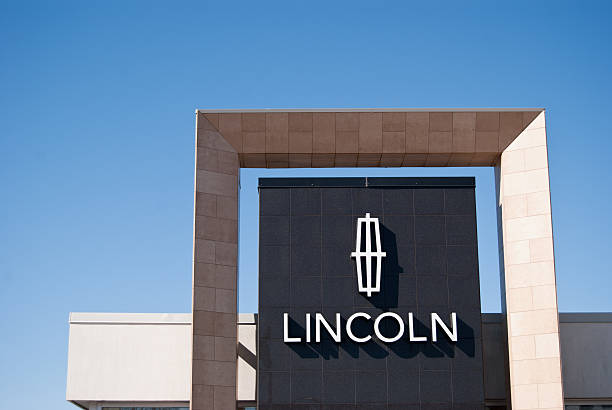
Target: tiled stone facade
(529, 272)
(514, 141)
(214, 271)
(370, 138)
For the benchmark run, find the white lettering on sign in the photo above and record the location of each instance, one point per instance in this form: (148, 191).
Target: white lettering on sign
(436, 320)
(286, 330)
(400, 332)
(335, 334)
(335, 331)
(349, 328)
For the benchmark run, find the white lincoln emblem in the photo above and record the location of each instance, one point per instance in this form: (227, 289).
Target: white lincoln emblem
(368, 254)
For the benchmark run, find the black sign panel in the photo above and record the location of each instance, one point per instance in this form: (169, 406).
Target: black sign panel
(308, 230)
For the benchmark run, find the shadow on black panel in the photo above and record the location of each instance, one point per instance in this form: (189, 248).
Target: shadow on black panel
(390, 269)
(302, 349)
(327, 348)
(466, 342)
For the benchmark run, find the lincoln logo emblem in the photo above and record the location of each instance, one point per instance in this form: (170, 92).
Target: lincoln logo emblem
(366, 224)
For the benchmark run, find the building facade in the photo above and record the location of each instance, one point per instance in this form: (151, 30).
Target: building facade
(126, 361)
(527, 334)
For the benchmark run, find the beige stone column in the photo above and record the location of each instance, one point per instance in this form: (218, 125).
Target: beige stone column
(529, 271)
(214, 271)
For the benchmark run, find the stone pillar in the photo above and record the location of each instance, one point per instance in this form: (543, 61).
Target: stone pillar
(528, 271)
(214, 271)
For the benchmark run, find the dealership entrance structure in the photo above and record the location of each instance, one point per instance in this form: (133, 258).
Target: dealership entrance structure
(513, 141)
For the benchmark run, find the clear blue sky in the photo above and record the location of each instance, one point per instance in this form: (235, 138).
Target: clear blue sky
(97, 105)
